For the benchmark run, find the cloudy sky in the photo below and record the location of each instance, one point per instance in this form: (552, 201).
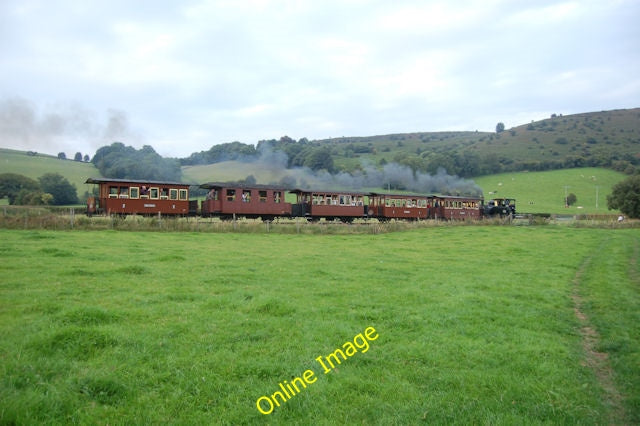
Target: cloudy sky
(182, 76)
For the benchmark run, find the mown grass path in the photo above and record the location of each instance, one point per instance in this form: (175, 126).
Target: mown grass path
(476, 325)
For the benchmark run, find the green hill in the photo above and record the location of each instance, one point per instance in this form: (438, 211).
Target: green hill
(607, 139)
(34, 166)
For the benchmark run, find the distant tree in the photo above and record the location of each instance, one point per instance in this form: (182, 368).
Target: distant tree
(319, 159)
(60, 188)
(78, 156)
(500, 127)
(625, 196)
(62, 156)
(11, 184)
(125, 162)
(222, 152)
(86, 158)
(34, 198)
(571, 199)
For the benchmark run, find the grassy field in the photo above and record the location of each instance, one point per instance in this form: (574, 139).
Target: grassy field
(474, 325)
(544, 192)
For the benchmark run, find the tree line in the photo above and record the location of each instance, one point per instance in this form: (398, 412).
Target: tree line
(48, 189)
(301, 153)
(125, 162)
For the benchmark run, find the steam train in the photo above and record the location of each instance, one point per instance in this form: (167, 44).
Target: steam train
(230, 200)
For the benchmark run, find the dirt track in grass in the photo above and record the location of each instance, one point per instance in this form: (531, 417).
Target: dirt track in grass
(593, 359)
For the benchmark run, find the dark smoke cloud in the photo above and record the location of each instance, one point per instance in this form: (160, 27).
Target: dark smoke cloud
(392, 177)
(60, 127)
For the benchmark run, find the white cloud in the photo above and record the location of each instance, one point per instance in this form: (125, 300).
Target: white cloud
(192, 74)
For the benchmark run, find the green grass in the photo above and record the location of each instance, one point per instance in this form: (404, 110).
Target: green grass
(543, 192)
(476, 325)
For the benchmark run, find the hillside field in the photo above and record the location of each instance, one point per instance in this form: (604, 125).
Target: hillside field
(544, 192)
(19, 162)
(449, 325)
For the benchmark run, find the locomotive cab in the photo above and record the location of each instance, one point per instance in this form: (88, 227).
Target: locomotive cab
(500, 207)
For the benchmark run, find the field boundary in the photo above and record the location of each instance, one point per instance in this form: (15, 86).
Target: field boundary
(597, 361)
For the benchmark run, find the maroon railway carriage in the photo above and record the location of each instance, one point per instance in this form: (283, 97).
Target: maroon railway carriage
(342, 205)
(456, 208)
(227, 199)
(128, 196)
(399, 206)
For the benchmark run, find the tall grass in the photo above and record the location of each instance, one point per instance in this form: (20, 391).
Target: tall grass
(63, 218)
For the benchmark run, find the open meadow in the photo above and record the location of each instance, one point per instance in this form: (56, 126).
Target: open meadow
(544, 192)
(441, 325)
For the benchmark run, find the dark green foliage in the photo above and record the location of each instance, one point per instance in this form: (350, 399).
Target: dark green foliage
(500, 127)
(571, 199)
(125, 162)
(11, 185)
(319, 159)
(33, 198)
(60, 188)
(626, 197)
(222, 152)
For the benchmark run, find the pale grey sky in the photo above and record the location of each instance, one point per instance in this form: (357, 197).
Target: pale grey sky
(182, 76)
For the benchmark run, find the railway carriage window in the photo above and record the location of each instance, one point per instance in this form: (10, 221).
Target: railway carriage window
(113, 192)
(246, 196)
(213, 195)
(134, 192)
(164, 194)
(124, 192)
(154, 193)
(173, 194)
(183, 194)
(231, 194)
(276, 196)
(263, 196)
(144, 190)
